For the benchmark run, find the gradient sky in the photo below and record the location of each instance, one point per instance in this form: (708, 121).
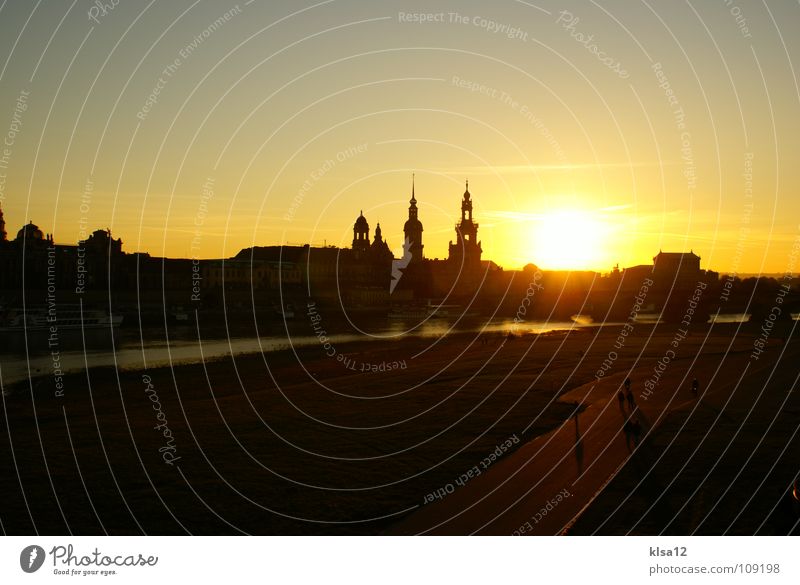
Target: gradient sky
(302, 114)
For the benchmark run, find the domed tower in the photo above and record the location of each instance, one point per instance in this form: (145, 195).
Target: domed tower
(413, 228)
(361, 234)
(31, 236)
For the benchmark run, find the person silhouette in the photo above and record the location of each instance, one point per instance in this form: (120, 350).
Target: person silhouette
(636, 431)
(628, 429)
(578, 446)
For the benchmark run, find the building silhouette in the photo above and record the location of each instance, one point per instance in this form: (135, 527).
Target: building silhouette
(461, 275)
(362, 277)
(413, 229)
(466, 251)
(681, 269)
(361, 234)
(379, 250)
(101, 242)
(31, 236)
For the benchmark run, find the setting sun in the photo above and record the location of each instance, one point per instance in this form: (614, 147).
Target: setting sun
(569, 239)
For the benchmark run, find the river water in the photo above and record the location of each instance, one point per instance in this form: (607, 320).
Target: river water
(132, 354)
(185, 348)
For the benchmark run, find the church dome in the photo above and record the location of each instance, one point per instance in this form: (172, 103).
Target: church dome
(361, 223)
(30, 232)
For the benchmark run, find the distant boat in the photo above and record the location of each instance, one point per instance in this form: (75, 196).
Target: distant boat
(62, 328)
(63, 318)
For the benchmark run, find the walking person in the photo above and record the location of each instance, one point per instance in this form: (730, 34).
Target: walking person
(628, 393)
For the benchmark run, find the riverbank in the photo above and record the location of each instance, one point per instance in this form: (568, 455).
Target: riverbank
(595, 474)
(305, 441)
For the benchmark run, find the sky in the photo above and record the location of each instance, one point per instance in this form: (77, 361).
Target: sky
(592, 133)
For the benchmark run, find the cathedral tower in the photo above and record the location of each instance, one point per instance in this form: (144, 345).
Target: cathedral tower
(413, 228)
(467, 249)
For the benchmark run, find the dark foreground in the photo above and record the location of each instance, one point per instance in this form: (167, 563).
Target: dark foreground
(304, 443)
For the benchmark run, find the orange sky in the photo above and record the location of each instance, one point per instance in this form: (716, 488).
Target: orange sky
(271, 124)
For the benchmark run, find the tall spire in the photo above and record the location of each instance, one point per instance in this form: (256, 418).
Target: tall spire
(467, 249)
(413, 227)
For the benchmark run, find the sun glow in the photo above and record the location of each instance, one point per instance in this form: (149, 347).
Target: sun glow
(569, 239)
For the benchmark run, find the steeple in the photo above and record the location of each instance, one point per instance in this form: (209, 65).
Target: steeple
(413, 227)
(466, 251)
(412, 209)
(466, 205)
(379, 249)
